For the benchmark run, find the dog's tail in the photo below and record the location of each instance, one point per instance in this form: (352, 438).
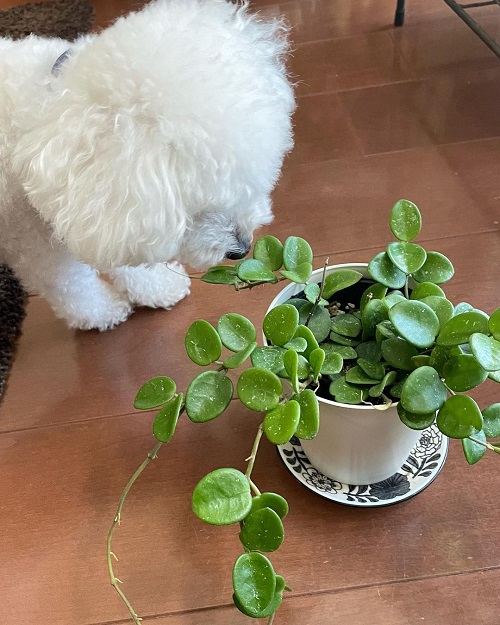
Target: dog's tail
(12, 310)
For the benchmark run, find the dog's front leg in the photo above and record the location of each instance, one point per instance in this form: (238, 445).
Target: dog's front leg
(156, 286)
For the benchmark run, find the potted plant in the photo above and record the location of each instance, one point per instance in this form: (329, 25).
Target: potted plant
(378, 350)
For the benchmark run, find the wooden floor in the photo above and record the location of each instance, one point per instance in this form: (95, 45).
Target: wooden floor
(381, 115)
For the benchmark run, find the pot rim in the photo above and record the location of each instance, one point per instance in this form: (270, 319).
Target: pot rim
(316, 272)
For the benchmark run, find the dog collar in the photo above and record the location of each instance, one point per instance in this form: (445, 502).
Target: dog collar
(57, 67)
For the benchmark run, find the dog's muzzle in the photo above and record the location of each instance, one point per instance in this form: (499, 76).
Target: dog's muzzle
(239, 252)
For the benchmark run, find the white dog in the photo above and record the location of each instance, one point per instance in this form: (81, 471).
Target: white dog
(159, 139)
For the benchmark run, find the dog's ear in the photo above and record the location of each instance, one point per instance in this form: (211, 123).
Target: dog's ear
(106, 182)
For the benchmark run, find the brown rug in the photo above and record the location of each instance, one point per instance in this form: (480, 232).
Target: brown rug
(61, 18)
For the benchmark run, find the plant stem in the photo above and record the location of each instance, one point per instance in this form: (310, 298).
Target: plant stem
(407, 294)
(271, 619)
(251, 458)
(484, 444)
(320, 294)
(116, 521)
(251, 285)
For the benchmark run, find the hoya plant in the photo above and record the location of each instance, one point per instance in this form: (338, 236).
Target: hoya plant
(392, 339)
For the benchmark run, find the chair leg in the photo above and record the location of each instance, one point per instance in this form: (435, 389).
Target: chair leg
(399, 18)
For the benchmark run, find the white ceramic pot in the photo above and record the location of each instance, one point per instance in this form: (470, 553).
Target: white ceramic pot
(355, 444)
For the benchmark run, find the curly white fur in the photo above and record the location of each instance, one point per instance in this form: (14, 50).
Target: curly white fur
(161, 138)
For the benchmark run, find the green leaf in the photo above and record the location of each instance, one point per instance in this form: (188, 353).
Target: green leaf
(374, 313)
(236, 331)
(316, 360)
(280, 424)
(459, 417)
(441, 306)
(222, 497)
(474, 451)
(393, 298)
(437, 269)
(460, 327)
(382, 269)
(462, 373)
(494, 324)
(426, 289)
(387, 380)
(252, 270)
(343, 340)
(439, 356)
(319, 324)
(291, 362)
(236, 360)
(154, 393)
(254, 582)
(299, 274)
(262, 531)
(461, 308)
(220, 276)
(305, 333)
(338, 280)
(203, 344)
(356, 375)
(373, 370)
(421, 360)
(280, 324)
(374, 291)
(299, 303)
(416, 322)
(415, 421)
(408, 257)
(296, 252)
(259, 389)
(311, 291)
(208, 395)
(298, 344)
(491, 419)
(423, 392)
(399, 353)
(385, 330)
(166, 420)
(486, 350)
(346, 393)
(309, 414)
(271, 500)
(269, 251)
(333, 361)
(405, 220)
(494, 375)
(370, 350)
(346, 325)
(270, 358)
(397, 389)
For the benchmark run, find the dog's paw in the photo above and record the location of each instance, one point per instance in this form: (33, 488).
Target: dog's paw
(156, 286)
(105, 309)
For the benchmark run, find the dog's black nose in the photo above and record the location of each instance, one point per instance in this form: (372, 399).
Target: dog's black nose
(237, 253)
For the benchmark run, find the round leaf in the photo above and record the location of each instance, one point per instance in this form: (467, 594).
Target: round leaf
(273, 501)
(236, 331)
(486, 350)
(280, 424)
(473, 451)
(346, 393)
(374, 291)
(269, 251)
(236, 360)
(270, 358)
(316, 360)
(459, 328)
(494, 324)
(387, 380)
(393, 298)
(309, 414)
(254, 582)
(426, 289)
(343, 340)
(207, 396)
(311, 291)
(299, 274)
(298, 344)
(405, 220)
(491, 418)
(252, 270)
(154, 393)
(346, 325)
(291, 362)
(280, 324)
(259, 389)
(441, 306)
(463, 372)
(385, 330)
(461, 308)
(222, 497)
(319, 324)
(437, 269)
(416, 322)
(399, 353)
(203, 344)
(370, 350)
(382, 269)
(305, 333)
(423, 392)
(262, 531)
(356, 375)
(333, 361)
(372, 369)
(166, 420)
(340, 279)
(408, 257)
(220, 276)
(459, 417)
(415, 421)
(296, 252)
(374, 313)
